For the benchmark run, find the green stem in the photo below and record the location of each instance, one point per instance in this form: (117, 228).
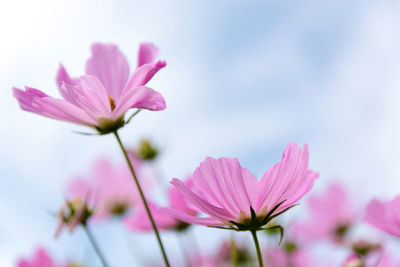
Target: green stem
(259, 256)
(143, 199)
(95, 246)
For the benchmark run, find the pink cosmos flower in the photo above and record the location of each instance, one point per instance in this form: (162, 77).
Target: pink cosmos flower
(385, 215)
(376, 259)
(100, 98)
(41, 258)
(332, 215)
(225, 257)
(72, 214)
(164, 220)
(196, 259)
(279, 257)
(233, 197)
(291, 253)
(353, 260)
(387, 261)
(109, 189)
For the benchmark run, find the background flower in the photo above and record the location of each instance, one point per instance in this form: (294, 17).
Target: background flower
(332, 215)
(384, 215)
(41, 258)
(109, 189)
(164, 220)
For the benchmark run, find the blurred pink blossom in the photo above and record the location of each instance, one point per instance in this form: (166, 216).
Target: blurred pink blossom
(279, 257)
(376, 259)
(232, 253)
(387, 260)
(332, 215)
(101, 97)
(164, 220)
(291, 253)
(227, 192)
(72, 214)
(41, 258)
(385, 215)
(109, 190)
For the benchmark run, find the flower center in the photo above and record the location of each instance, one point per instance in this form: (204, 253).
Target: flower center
(289, 247)
(341, 230)
(117, 207)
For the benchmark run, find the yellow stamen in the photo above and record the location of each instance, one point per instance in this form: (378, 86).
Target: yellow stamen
(112, 103)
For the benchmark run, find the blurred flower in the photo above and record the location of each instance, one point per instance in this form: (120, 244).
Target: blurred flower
(231, 253)
(387, 261)
(332, 215)
(163, 219)
(109, 189)
(287, 256)
(233, 197)
(72, 214)
(375, 259)
(100, 98)
(291, 253)
(41, 258)
(193, 260)
(353, 261)
(146, 151)
(385, 215)
(364, 248)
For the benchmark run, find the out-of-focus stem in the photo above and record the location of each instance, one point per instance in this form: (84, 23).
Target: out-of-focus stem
(153, 224)
(95, 246)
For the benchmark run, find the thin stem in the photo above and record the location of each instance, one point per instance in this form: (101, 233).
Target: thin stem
(259, 256)
(95, 246)
(153, 224)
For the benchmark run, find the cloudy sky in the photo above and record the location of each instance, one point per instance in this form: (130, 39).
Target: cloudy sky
(242, 80)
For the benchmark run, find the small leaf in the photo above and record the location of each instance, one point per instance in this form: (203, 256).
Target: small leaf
(281, 231)
(268, 217)
(133, 115)
(83, 133)
(221, 227)
(288, 208)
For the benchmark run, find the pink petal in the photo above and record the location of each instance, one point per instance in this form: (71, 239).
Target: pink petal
(221, 181)
(144, 73)
(177, 200)
(40, 259)
(62, 110)
(209, 221)
(206, 207)
(385, 216)
(26, 98)
(140, 97)
(110, 66)
(38, 102)
(251, 184)
(140, 220)
(92, 96)
(286, 181)
(148, 52)
(63, 77)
